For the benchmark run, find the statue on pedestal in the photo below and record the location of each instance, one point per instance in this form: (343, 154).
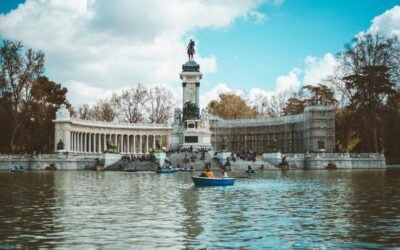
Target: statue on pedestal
(111, 148)
(60, 145)
(190, 49)
(224, 143)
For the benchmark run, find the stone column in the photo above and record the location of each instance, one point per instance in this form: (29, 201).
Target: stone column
(83, 142)
(90, 143)
(129, 144)
(79, 142)
(147, 144)
(134, 144)
(120, 143)
(72, 141)
(154, 141)
(104, 142)
(75, 142)
(99, 143)
(94, 143)
(140, 144)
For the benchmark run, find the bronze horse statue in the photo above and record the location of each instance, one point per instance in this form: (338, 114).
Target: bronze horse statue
(190, 49)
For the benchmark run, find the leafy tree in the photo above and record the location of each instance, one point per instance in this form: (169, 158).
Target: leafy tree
(320, 94)
(367, 76)
(294, 106)
(231, 106)
(19, 69)
(37, 132)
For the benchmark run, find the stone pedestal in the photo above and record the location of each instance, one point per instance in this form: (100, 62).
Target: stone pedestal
(273, 158)
(160, 156)
(110, 159)
(223, 155)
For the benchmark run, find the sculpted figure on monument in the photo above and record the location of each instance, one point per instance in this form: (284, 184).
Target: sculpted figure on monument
(224, 143)
(60, 145)
(111, 148)
(190, 49)
(190, 111)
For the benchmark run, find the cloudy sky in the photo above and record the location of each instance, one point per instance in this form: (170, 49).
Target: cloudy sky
(95, 47)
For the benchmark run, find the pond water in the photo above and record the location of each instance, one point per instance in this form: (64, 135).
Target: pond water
(272, 209)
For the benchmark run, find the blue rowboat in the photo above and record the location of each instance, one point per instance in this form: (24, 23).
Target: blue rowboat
(131, 170)
(207, 181)
(185, 170)
(17, 170)
(166, 171)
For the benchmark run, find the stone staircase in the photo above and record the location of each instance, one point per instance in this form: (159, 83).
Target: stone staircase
(177, 159)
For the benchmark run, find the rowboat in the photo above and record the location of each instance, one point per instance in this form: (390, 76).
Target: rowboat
(166, 171)
(185, 169)
(250, 171)
(17, 170)
(131, 170)
(207, 181)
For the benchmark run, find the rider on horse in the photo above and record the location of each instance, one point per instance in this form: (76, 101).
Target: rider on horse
(190, 49)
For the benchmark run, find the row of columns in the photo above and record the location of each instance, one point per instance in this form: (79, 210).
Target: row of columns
(82, 142)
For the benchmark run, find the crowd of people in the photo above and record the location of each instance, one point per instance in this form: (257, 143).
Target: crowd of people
(140, 158)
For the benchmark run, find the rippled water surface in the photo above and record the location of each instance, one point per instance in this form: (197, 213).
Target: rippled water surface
(117, 210)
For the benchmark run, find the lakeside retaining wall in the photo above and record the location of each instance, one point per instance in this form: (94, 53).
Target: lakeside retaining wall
(322, 160)
(40, 162)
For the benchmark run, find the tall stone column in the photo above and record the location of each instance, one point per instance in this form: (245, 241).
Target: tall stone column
(75, 142)
(84, 142)
(104, 142)
(72, 141)
(120, 143)
(140, 144)
(154, 142)
(90, 143)
(80, 142)
(94, 143)
(134, 144)
(129, 144)
(147, 144)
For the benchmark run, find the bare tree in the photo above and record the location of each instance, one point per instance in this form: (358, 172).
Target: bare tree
(277, 103)
(130, 104)
(261, 104)
(104, 110)
(159, 105)
(84, 112)
(19, 68)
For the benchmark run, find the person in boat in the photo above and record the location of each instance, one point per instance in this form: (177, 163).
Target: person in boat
(209, 174)
(249, 168)
(223, 171)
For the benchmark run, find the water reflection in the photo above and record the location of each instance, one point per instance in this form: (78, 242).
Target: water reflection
(293, 209)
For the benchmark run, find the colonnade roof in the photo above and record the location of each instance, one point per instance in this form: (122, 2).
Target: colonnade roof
(115, 125)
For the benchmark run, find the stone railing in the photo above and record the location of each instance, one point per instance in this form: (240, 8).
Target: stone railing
(47, 156)
(119, 124)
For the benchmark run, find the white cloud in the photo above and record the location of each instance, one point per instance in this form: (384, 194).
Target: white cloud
(213, 94)
(289, 81)
(108, 45)
(317, 69)
(387, 23)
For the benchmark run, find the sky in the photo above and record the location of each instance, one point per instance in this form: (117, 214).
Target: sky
(256, 47)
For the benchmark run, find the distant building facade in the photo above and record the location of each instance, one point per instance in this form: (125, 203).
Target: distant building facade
(311, 131)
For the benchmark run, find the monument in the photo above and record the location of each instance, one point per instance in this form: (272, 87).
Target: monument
(190, 128)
